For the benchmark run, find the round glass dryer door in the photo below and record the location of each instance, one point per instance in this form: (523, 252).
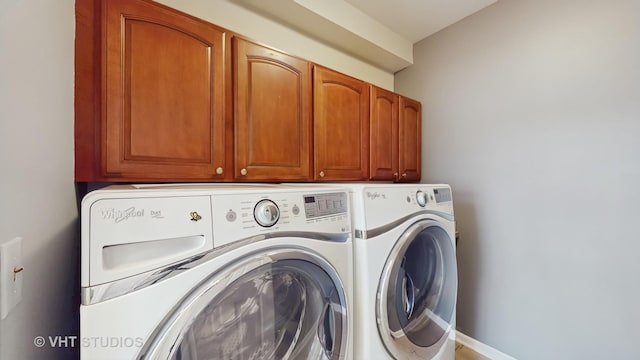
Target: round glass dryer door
(281, 305)
(417, 292)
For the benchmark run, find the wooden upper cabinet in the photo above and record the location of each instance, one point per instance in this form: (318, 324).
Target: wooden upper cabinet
(164, 94)
(395, 137)
(341, 126)
(410, 135)
(273, 109)
(384, 134)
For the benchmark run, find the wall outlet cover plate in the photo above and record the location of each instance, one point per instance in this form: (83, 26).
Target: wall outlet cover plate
(10, 280)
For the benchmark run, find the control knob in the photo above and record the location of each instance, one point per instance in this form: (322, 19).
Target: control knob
(421, 198)
(266, 213)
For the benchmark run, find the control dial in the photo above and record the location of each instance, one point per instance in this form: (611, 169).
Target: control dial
(421, 198)
(266, 213)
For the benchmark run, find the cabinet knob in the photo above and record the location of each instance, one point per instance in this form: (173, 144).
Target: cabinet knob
(219, 171)
(243, 172)
(321, 173)
(395, 174)
(404, 174)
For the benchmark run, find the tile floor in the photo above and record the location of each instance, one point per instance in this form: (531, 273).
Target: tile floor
(465, 353)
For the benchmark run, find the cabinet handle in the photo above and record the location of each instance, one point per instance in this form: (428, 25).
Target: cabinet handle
(219, 171)
(243, 172)
(321, 173)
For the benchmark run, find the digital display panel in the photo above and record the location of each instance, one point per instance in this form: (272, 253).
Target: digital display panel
(320, 205)
(442, 195)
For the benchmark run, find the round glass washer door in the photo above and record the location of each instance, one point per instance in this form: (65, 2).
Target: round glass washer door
(285, 304)
(417, 292)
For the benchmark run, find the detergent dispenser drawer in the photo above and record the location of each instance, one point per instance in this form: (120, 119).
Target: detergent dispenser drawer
(132, 236)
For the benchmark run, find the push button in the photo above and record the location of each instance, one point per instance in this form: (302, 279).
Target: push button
(231, 216)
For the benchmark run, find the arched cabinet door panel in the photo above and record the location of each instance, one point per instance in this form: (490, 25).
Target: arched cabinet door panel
(163, 113)
(384, 134)
(410, 138)
(395, 137)
(341, 126)
(272, 114)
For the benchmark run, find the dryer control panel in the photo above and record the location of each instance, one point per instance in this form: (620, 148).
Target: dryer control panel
(386, 204)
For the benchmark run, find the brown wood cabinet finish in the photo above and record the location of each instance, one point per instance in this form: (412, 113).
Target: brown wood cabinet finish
(162, 84)
(341, 126)
(273, 109)
(384, 134)
(87, 91)
(162, 96)
(410, 138)
(395, 137)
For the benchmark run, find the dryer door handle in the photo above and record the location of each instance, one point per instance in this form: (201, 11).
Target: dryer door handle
(327, 329)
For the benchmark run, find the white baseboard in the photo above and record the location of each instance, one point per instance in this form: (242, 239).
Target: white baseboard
(480, 348)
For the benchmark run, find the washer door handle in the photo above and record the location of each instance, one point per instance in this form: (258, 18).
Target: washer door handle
(327, 329)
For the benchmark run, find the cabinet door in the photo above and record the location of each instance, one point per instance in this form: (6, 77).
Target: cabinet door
(273, 114)
(384, 134)
(341, 126)
(164, 107)
(410, 139)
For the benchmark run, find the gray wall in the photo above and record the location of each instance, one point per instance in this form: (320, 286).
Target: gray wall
(37, 196)
(532, 113)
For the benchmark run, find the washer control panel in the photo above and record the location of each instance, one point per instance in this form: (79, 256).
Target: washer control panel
(243, 216)
(321, 205)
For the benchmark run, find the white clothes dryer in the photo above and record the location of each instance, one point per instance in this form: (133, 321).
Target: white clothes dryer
(405, 271)
(216, 272)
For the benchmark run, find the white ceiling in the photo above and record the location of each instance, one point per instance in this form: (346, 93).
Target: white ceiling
(381, 32)
(417, 19)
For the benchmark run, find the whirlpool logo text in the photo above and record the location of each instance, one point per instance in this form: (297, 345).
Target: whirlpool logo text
(375, 195)
(122, 215)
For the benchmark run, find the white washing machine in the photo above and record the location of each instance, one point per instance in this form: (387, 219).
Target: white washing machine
(405, 271)
(216, 272)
